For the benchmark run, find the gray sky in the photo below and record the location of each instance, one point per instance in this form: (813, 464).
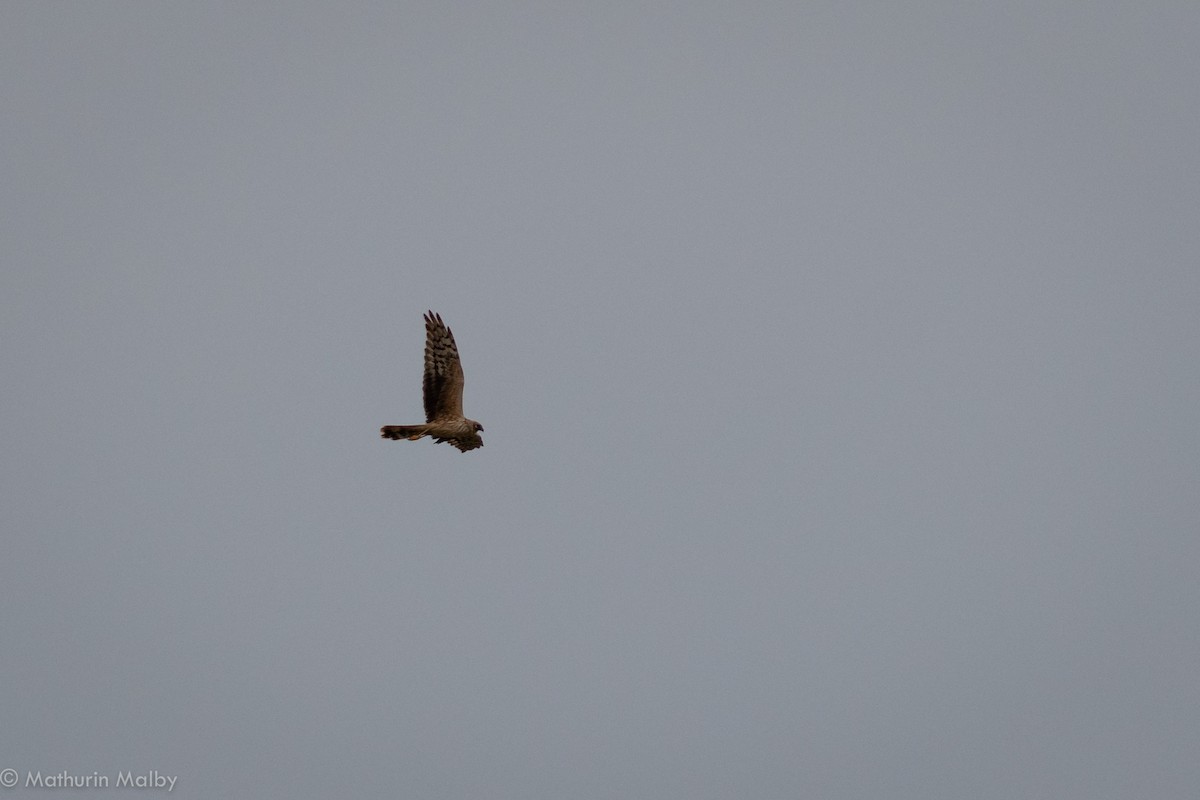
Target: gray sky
(839, 364)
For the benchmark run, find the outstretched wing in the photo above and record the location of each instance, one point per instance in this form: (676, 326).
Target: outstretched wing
(443, 384)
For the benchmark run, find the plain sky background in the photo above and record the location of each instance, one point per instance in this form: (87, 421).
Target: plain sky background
(839, 364)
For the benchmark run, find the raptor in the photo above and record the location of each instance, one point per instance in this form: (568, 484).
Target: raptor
(443, 391)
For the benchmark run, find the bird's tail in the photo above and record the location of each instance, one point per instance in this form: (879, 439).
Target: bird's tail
(410, 432)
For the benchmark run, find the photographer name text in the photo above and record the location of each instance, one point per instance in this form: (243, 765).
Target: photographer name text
(152, 779)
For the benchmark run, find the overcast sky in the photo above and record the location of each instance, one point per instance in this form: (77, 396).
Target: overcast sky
(839, 364)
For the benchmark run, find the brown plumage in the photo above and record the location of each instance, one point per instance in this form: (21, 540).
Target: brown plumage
(443, 389)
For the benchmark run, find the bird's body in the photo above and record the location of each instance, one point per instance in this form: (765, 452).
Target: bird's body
(442, 388)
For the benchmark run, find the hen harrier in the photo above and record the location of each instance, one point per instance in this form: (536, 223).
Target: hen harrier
(443, 388)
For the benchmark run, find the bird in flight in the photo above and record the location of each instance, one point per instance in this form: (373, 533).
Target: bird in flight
(443, 390)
